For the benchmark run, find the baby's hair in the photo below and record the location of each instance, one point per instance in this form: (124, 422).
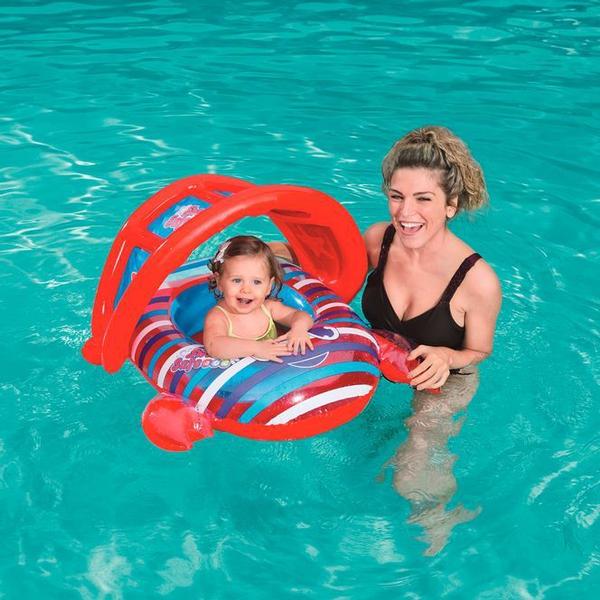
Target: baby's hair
(437, 148)
(245, 245)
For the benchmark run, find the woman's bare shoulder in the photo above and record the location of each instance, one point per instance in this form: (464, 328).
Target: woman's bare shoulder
(373, 237)
(483, 284)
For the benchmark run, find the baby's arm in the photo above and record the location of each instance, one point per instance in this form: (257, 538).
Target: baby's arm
(220, 344)
(299, 323)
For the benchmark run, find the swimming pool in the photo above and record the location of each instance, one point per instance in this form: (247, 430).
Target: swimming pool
(103, 103)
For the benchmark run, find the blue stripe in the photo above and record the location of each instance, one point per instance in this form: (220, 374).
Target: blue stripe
(161, 351)
(153, 313)
(202, 374)
(275, 374)
(151, 341)
(302, 379)
(250, 382)
(195, 379)
(325, 297)
(281, 376)
(296, 273)
(192, 265)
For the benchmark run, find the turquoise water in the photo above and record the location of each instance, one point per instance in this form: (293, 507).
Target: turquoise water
(103, 103)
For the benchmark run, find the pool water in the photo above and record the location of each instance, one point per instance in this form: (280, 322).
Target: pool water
(103, 103)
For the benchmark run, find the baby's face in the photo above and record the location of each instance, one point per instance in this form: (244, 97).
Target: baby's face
(245, 283)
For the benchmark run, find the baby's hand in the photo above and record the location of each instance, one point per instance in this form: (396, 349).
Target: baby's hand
(271, 350)
(296, 339)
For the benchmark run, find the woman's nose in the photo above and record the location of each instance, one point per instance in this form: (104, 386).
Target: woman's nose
(405, 208)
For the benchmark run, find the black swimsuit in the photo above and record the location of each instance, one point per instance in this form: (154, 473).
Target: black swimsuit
(434, 327)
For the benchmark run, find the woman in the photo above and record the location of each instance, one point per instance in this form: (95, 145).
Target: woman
(427, 284)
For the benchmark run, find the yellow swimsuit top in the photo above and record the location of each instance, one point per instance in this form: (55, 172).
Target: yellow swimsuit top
(269, 334)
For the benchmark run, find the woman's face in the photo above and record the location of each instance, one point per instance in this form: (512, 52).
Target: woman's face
(418, 206)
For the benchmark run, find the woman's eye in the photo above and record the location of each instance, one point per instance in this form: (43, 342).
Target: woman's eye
(426, 198)
(395, 198)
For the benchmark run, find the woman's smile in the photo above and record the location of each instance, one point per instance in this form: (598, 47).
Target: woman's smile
(418, 205)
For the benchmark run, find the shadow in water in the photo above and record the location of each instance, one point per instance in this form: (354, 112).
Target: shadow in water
(423, 464)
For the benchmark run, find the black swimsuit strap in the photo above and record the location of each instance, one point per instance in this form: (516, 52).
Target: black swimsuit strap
(458, 277)
(388, 236)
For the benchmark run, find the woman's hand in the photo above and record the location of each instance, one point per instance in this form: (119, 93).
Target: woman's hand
(270, 350)
(296, 340)
(434, 368)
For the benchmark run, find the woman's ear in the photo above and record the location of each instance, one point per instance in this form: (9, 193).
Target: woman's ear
(451, 207)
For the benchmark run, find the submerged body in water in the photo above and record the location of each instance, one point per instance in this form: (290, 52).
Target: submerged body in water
(423, 464)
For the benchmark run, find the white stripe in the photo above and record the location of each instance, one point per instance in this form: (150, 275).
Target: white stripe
(218, 383)
(319, 400)
(331, 305)
(301, 284)
(359, 332)
(172, 358)
(178, 277)
(143, 332)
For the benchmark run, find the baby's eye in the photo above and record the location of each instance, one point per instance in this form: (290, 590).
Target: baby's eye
(257, 282)
(236, 280)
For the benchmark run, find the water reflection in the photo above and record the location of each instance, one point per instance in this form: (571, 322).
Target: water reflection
(423, 464)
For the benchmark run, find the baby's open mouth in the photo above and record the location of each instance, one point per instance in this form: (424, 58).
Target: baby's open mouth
(244, 300)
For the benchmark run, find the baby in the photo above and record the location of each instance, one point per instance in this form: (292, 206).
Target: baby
(246, 275)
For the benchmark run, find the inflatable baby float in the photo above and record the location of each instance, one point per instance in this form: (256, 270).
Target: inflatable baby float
(152, 299)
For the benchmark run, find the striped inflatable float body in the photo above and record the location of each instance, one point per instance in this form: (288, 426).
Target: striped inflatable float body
(305, 395)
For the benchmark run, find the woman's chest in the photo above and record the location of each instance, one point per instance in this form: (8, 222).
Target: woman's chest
(413, 291)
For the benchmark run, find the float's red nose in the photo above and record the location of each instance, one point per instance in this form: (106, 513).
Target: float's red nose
(173, 424)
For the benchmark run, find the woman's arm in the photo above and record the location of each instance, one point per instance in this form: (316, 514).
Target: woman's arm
(284, 250)
(483, 305)
(220, 344)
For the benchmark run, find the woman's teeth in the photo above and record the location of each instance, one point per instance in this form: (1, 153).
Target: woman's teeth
(409, 226)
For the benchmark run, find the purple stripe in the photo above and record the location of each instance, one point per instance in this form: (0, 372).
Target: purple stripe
(175, 381)
(337, 313)
(160, 299)
(314, 290)
(151, 341)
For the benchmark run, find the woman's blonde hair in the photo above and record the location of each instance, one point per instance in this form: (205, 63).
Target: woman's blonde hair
(437, 148)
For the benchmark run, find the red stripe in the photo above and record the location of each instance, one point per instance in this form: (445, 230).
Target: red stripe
(300, 428)
(318, 387)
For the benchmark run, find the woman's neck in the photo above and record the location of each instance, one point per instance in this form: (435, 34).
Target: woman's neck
(435, 247)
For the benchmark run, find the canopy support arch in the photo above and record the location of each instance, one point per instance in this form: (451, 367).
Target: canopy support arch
(319, 230)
